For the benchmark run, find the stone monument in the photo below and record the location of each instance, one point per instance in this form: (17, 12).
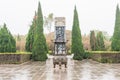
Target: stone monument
(60, 43)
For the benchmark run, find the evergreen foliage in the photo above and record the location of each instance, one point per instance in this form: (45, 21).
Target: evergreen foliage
(18, 38)
(115, 45)
(7, 42)
(39, 50)
(97, 41)
(77, 46)
(100, 42)
(93, 42)
(30, 36)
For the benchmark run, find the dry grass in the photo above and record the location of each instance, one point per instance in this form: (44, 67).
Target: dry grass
(20, 44)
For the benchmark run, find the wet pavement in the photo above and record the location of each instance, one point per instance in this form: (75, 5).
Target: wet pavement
(77, 70)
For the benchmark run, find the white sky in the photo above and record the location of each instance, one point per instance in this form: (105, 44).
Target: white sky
(93, 14)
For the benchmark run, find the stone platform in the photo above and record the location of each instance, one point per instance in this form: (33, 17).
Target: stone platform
(77, 70)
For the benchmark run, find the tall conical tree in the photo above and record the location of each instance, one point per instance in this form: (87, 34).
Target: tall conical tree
(30, 37)
(39, 49)
(93, 43)
(115, 45)
(7, 42)
(100, 42)
(77, 46)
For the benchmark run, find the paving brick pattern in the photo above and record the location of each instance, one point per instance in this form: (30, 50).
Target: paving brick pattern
(77, 70)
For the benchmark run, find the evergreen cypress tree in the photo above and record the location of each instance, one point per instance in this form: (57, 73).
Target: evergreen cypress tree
(3, 38)
(18, 37)
(39, 49)
(12, 43)
(29, 40)
(30, 37)
(93, 43)
(115, 45)
(7, 42)
(100, 42)
(77, 46)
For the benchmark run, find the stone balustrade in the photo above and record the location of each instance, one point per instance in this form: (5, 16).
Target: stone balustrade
(14, 58)
(106, 57)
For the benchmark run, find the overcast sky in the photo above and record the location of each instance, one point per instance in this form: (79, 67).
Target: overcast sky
(93, 14)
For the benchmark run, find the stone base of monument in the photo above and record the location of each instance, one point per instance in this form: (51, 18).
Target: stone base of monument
(60, 60)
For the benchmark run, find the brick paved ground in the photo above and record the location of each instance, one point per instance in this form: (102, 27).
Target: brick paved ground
(77, 70)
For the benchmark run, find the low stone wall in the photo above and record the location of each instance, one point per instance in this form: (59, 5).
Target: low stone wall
(14, 58)
(106, 57)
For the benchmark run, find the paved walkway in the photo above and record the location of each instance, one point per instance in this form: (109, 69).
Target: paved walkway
(77, 70)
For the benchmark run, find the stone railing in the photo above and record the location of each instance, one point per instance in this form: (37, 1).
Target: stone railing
(106, 57)
(14, 58)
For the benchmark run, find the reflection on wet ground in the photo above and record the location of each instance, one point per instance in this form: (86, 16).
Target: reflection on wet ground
(77, 70)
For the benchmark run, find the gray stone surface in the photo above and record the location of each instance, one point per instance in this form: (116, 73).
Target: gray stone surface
(77, 70)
